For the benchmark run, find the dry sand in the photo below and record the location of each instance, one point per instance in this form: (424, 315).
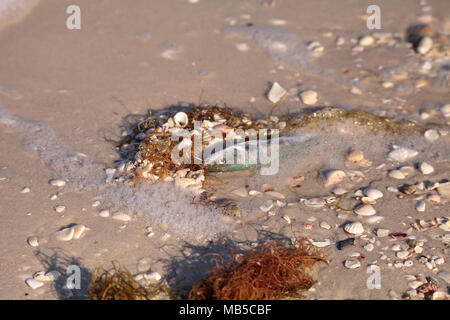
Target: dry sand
(84, 83)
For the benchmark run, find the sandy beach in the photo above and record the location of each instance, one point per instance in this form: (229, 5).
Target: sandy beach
(72, 93)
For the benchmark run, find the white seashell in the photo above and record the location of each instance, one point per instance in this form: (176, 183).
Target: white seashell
(325, 225)
(368, 200)
(287, 218)
(403, 254)
(339, 191)
(396, 174)
(121, 216)
(401, 154)
(104, 213)
(365, 210)
(352, 264)
(33, 283)
(60, 209)
(65, 234)
(78, 231)
(431, 135)
(25, 190)
(373, 193)
(354, 228)
(181, 119)
(276, 93)
(152, 276)
(321, 244)
(254, 193)
(425, 45)
(57, 183)
(314, 202)
(334, 177)
(374, 219)
(309, 97)
(33, 241)
(426, 168)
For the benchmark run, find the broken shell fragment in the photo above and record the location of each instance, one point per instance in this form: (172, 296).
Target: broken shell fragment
(334, 177)
(65, 234)
(352, 264)
(78, 231)
(314, 203)
(276, 93)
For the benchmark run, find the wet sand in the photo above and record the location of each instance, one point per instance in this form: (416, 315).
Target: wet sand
(84, 83)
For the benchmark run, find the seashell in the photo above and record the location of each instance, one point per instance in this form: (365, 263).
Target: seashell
(439, 295)
(373, 193)
(355, 156)
(431, 135)
(57, 183)
(420, 206)
(314, 203)
(33, 283)
(121, 216)
(78, 231)
(374, 219)
(396, 174)
(354, 228)
(65, 234)
(181, 119)
(368, 200)
(254, 193)
(60, 209)
(352, 264)
(266, 206)
(152, 276)
(276, 93)
(403, 254)
(287, 218)
(426, 168)
(402, 154)
(365, 210)
(321, 244)
(434, 198)
(104, 213)
(339, 191)
(325, 225)
(33, 241)
(334, 177)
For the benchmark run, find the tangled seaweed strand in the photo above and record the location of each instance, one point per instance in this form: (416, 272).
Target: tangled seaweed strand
(272, 271)
(119, 284)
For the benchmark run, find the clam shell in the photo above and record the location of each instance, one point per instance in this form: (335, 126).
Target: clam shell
(365, 210)
(375, 194)
(354, 228)
(402, 154)
(181, 119)
(78, 231)
(65, 234)
(33, 241)
(314, 203)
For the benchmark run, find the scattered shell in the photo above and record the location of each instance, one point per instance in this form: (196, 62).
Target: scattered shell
(104, 213)
(369, 247)
(431, 135)
(403, 254)
(321, 244)
(254, 193)
(334, 177)
(339, 191)
(276, 93)
(374, 219)
(266, 206)
(420, 206)
(446, 110)
(181, 119)
(425, 45)
(365, 210)
(325, 225)
(366, 41)
(60, 209)
(355, 156)
(65, 234)
(354, 228)
(25, 190)
(57, 183)
(439, 295)
(78, 231)
(287, 218)
(396, 174)
(352, 264)
(152, 276)
(402, 154)
(373, 193)
(426, 168)
(121, 216)
(33, 241)
(243, 47)
(33, 283)
(309, 97)
(314, 203)
(434, 198)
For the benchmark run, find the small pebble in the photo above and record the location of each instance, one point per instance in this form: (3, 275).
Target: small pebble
(309, 97)
(57, 183)
(366, 41)
(33, 283)
(420, 206)
(25, 190)
(431, 135)
(60, 209)
(425, 45)
(104, 213)
(33, 241)
(276, 93)
(121, 216)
